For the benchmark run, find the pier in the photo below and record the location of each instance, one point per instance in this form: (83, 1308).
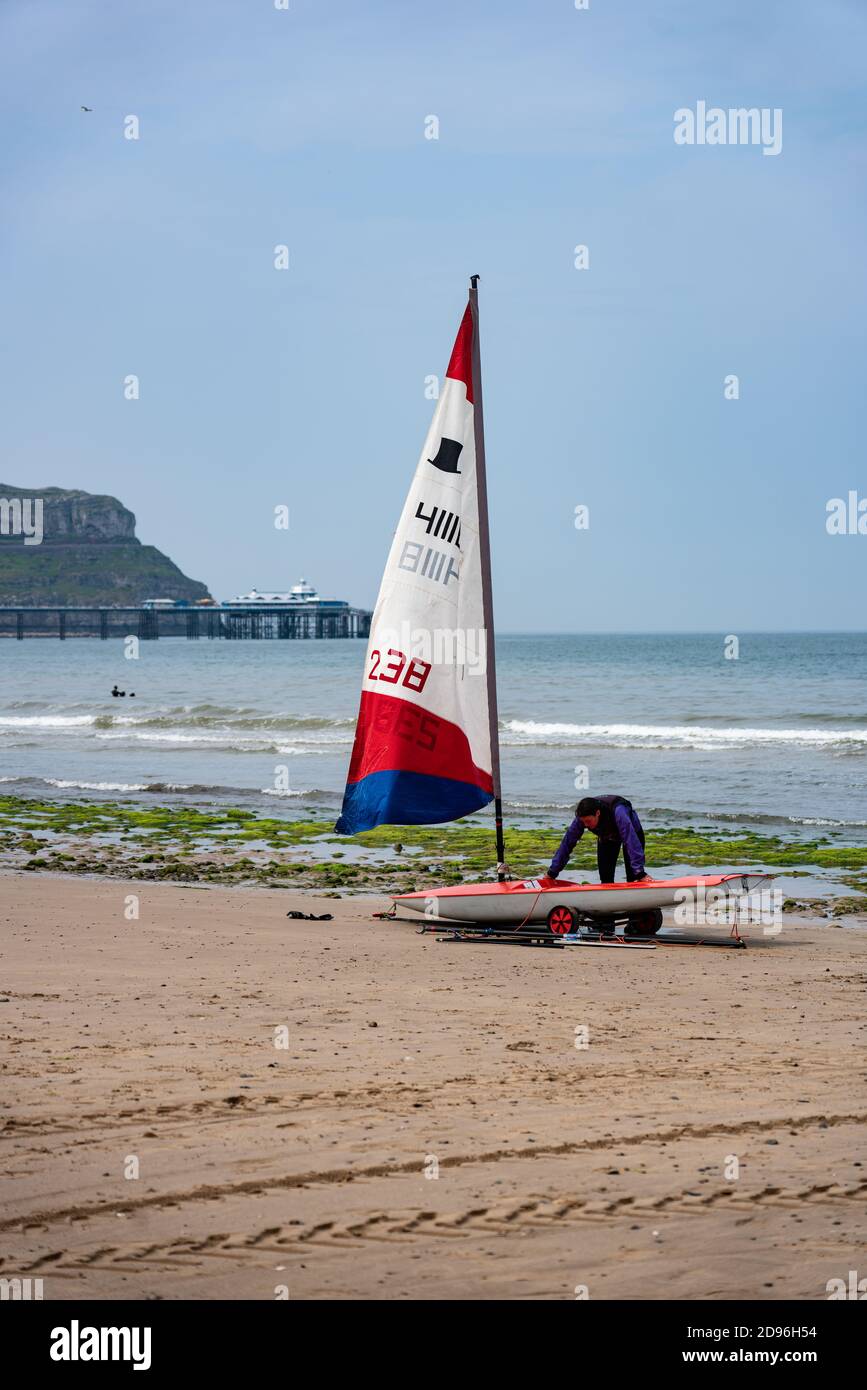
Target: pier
(232, 622)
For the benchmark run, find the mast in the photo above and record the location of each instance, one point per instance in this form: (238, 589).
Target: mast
(485, 556)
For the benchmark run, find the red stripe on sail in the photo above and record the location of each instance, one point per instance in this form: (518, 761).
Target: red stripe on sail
(395, 735)
(460, 366)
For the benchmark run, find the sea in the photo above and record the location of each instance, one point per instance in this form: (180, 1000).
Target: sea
(774, 738)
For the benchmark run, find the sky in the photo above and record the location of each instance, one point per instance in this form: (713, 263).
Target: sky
(604, 387)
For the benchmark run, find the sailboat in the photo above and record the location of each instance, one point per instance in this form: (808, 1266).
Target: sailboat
(426, 746)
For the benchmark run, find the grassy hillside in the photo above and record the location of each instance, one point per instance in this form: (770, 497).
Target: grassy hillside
(89, 555)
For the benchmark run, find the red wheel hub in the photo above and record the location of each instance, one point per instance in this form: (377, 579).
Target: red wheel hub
(560, 920)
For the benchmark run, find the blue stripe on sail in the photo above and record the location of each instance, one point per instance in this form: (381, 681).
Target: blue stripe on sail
(406, 798)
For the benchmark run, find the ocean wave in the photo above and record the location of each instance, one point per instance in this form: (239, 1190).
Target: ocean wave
(227, 742)
(175, 787)
(217, 717)
(229, 745)
(674, 736)
(819, 820)
(653, 816)
(539, 806)
(187, 718)
(252, 744)
(234, 793)
(95, 786)
(189, 789)
(46, 721)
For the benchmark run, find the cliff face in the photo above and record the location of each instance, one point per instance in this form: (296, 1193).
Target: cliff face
(89, 554)
(78, 517)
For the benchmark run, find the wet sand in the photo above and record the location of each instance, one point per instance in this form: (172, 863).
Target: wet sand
(267, 1171)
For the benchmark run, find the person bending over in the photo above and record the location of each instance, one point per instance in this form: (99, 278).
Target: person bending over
(616, 826)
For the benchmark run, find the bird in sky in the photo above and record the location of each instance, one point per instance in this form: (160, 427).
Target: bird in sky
(87, 108)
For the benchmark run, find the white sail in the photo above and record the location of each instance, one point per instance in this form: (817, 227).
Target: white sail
(425, 749)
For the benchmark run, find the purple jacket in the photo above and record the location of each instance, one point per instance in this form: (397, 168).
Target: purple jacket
(628, 838)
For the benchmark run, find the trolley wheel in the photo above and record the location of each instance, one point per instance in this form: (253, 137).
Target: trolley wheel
(561, 920)
(645, 923)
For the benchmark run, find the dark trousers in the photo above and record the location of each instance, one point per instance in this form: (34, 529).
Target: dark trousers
(607, 852)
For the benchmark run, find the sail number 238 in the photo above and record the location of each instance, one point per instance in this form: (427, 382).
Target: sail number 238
(409, 671)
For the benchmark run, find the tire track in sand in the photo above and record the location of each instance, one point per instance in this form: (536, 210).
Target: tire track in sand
(408, 1227)
(210, 1192)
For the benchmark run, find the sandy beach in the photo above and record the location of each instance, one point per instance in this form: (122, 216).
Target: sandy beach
(283, 1087)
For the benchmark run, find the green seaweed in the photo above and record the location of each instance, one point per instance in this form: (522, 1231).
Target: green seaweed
(219, 845)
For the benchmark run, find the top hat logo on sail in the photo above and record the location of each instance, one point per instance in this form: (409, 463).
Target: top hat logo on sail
(447, 455)
(422, 751)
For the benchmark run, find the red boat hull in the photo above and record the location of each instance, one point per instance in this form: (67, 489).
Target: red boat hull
(531, 900)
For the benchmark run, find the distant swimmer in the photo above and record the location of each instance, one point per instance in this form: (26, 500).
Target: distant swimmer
(115, 691)
(616, 825)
